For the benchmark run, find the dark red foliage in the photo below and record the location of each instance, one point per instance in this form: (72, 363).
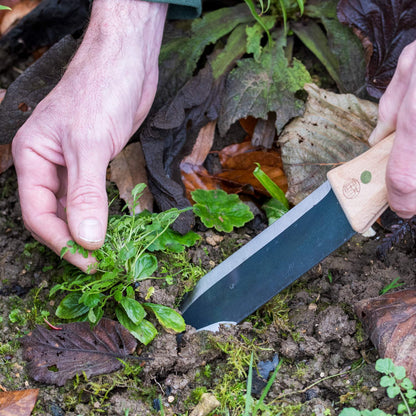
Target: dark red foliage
(384, 27)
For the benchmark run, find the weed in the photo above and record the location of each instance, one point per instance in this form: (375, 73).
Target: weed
(397, 385)
(392, 285)
(126, 258)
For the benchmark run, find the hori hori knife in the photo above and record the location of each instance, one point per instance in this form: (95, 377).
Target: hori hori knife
(350, 201)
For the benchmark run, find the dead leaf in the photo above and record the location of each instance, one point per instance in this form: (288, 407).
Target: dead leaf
(18, 403)
(56, 356)
(127, 170)
(390, 322)
(239, 161)
(19, 10)
(333, 130)
(6, 159)
(32, 86)
(194, 175)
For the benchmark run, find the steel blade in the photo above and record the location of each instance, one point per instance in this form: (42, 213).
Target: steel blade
(270, 262)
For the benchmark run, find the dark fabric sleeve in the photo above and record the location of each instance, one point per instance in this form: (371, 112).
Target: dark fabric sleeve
(181, 9)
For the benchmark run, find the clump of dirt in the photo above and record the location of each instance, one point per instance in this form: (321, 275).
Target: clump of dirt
(328, 361)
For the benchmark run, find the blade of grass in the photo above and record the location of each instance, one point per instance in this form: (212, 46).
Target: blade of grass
(249, 385)
(274, 191)
(267, 388)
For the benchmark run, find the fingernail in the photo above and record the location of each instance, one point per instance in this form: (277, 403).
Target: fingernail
(90, 230)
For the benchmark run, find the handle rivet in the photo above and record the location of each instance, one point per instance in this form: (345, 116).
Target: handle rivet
(365, 177)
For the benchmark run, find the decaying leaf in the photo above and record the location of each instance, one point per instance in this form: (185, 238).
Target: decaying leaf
(170, 134)
(127, 170)
(18, 403)
(257, 88)
(56, 356)
(6, 159)
(43, 26)
(384, 27)
(333, 130)
(239, 161)
(194, 175)
(32, 86)
(390, 322)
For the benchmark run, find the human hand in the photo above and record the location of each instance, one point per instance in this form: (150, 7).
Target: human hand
(62, 152)
(397, 112)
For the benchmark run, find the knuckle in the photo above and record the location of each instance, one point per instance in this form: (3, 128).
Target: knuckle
(85, 196)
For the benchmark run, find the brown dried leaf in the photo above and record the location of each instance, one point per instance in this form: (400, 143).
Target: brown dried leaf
(6, 159)
(194, 175)
(333, 130)
(239, 161)
(56, 356)
(390, 322)
(18, 403)
(127, 170)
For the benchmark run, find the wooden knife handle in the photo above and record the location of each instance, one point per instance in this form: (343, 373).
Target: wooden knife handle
(360, 185)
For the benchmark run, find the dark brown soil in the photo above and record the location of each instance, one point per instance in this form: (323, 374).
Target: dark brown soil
(328, 361)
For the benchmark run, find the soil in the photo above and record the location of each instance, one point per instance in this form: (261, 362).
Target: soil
(328, 360)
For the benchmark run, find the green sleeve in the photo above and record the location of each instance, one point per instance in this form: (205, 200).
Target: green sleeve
(182, 9)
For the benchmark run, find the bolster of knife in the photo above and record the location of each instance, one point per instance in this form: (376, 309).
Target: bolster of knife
(360, 185)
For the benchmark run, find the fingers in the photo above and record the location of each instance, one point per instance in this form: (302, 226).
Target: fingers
(391, 103)
(86, 203)
(38, 184)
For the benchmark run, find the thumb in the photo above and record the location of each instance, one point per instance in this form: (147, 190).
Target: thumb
(87, 205)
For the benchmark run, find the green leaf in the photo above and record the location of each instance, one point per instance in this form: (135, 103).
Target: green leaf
(4, 8)
(180, 55)
(70, 308)
(316, 41)
(128, 251)
(384, 365)
(167, 317)
(393, 391)
(134, 310)
(399, 372)
(274, 209)
(145, 332)
(90, 299)
(350, 411)
(144, 267)
(270, 85)
(271, 187)
(387, 381)
(172, 241)
(220, 210)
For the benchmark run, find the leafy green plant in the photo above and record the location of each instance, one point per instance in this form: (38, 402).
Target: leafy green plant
(220, 210)
(278, 205)
(392, 285)
(127, 258)
(397, 385)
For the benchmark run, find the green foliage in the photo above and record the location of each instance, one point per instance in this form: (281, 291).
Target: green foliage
(397, 385)
(122, 262)
(127, 258)
(278, 205)
(4, 7)
(220, 210)
(392, 285)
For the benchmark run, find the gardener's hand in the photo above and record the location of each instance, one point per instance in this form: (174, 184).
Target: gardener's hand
(62, 152)
(397, 111)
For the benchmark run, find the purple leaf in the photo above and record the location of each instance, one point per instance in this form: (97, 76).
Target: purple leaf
(384, 27)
